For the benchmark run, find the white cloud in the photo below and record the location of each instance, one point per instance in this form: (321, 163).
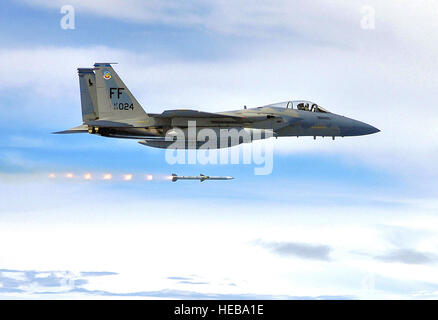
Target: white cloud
(16, 160)
(334, 20)
(215, 247)
(50, 71)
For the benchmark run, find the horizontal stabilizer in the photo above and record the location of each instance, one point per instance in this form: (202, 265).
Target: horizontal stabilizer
(79, 129)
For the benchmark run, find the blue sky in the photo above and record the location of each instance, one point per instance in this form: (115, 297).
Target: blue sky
(363, 206)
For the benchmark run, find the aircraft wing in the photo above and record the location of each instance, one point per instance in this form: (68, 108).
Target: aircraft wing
(107, 123)
(188, 113)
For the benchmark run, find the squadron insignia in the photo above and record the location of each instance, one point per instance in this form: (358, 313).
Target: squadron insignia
(106, 75)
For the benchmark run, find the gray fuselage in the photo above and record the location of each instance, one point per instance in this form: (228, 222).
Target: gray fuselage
(284, 122)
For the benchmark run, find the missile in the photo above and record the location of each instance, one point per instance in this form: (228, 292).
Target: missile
(201, 178)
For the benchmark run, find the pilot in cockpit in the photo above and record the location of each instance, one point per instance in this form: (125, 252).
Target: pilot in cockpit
(303, 106)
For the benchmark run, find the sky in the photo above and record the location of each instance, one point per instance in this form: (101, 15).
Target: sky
(353, 218)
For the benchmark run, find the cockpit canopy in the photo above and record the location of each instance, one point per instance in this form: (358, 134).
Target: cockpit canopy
(299, 105)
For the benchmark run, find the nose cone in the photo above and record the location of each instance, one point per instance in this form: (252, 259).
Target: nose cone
(365, 128)
(352, 127)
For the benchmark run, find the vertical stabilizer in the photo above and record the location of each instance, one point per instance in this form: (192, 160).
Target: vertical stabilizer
(87, 85)
(114, 100)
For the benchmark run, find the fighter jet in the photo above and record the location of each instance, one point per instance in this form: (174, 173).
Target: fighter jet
(109, 109)
(201, 178)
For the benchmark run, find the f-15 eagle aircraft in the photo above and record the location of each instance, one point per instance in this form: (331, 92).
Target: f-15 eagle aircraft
(109, 109)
